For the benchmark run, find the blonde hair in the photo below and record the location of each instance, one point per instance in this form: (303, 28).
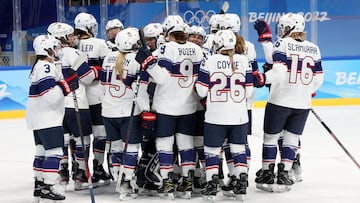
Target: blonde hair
(298, 36)
(119, 64)
(230, 53)
(240, 44)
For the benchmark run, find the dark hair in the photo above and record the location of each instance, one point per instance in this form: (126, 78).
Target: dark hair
(38, 57)
(180, 37)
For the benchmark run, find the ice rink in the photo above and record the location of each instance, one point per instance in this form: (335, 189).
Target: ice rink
(329, 175)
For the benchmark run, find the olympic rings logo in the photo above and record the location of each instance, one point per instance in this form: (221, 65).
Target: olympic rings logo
(199, 18)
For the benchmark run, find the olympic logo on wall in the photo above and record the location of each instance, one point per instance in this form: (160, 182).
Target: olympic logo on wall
(199, 17)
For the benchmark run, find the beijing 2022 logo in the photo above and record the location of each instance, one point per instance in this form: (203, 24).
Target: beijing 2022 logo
(199, 17)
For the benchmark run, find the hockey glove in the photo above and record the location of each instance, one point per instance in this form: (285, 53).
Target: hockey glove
(258, 79)
(70, 83)
(148, 123)
(263, 30)
(97, 70)
(145, 58)
(266, 68)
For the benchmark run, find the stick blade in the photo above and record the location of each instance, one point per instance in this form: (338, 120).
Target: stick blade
(225, 7)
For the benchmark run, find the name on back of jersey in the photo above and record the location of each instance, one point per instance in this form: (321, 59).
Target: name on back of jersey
(186, 51)
(301, 48)
(224, 64)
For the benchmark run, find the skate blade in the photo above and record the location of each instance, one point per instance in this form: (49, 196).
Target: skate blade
(265, 187)
(101, 183)
(169, 196)
(146, 192)
(127, 196)
(184, 195)
(228, 193)
(43, 200)
(210, 198)
(240, 197)
(83, 186)
(281, 188)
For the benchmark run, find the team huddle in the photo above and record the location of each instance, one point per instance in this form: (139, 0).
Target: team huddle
(163, 106)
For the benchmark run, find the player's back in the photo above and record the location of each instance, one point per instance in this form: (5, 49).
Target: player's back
(227, 89)
(96, 50)
(303, 75)
(177, 96)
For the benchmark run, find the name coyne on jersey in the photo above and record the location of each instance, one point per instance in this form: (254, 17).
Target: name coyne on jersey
(274, 16)
(226, 64)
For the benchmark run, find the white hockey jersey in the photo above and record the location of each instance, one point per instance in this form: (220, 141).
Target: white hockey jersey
(119, 93)
(45, 105)
(226, 91)
(96, 50)
(175, 75)
(296, 73)
(70, 58)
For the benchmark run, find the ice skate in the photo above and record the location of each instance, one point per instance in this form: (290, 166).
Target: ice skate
(296, 171)
(128, 190)
(199, 184)
(265, 179)
(64, 174)
(209, 193)
(185, 188)
(283, 179)
(49, 195)
(100, 176)
(240, 187)
(227, 189)
(168, 188)
(37, 190)
(81, 181)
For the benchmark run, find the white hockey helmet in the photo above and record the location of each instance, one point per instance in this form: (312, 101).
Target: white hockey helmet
(229, 21)
(213, 23)
(114, 23)
(128, 39)
(224, 40)
(153, 30)
(173, 23)
(289, 23)
(60, 31)
(197, 30)
(87, 23)
(43, 44)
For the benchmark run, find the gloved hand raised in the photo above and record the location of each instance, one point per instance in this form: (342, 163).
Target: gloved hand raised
(145, 58)
(70, 83)
(263, 30)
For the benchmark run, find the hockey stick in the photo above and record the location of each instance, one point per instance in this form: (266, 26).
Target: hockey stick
(128, 132)
(86, 158)
(334, 136)
(224, 7)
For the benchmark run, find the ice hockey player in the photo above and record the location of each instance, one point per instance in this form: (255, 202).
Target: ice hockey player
(220, 76)
(74, 60)
(113, 27)
(295, 75)
(174, 74)
(265, 38)
(44, 115)
(232, 21)
(86, 28)
(123, 71)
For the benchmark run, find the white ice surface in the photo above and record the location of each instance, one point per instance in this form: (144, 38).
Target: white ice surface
(329, 174)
